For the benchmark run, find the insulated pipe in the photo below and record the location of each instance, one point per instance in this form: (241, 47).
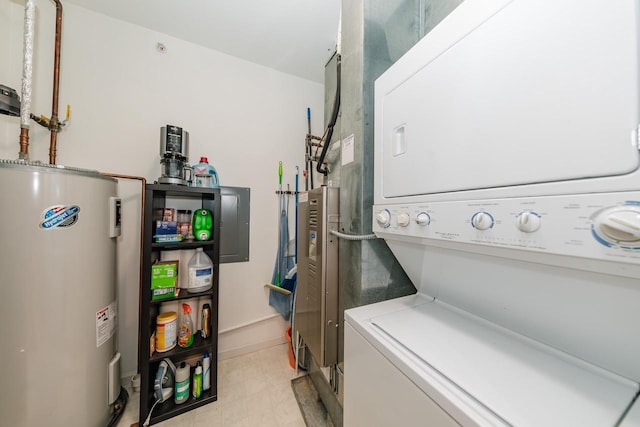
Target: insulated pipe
(53, 124)
(353, 236)
(27, 72)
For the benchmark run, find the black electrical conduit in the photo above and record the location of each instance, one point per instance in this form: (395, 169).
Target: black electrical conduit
(309, 154)
(334, 116)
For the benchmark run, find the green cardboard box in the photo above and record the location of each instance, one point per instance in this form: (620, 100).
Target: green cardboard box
(164, 279)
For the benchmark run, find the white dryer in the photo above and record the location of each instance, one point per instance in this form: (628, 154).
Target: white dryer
(507, 184)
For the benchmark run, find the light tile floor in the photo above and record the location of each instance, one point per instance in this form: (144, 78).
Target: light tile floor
(253, 390)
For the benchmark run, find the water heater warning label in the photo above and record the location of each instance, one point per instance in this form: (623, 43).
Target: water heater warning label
(105, 324)
(59, 216)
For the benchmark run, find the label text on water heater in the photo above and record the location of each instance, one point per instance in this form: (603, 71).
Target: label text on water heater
(59, 216)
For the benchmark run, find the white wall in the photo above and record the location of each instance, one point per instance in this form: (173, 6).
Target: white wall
(243, 116)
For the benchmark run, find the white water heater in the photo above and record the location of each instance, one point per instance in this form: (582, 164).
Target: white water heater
(58, 295)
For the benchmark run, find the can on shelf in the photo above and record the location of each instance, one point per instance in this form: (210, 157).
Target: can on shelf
(166, 331)
(184, 223)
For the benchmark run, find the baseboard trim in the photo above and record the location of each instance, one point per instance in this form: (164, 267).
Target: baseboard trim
(250, 323)
(239, 351)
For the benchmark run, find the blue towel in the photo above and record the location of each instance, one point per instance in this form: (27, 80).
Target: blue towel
(283, 270)
(281, 302)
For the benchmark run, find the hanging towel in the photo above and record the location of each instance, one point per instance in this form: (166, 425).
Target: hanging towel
(281, 302)
(284, 263)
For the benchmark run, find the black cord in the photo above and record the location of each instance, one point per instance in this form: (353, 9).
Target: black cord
(332, 122)
(118, 407)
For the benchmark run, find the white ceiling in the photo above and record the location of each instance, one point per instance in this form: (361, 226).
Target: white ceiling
(293, 36)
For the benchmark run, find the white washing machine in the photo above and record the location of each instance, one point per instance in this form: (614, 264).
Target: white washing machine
(507, 184)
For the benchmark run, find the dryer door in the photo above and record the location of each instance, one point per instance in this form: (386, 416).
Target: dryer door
(537, 91)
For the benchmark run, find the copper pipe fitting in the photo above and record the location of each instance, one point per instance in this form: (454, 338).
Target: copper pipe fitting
(24, 144)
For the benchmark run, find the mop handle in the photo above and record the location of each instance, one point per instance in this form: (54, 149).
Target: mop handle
(279, 272)
(295, 258)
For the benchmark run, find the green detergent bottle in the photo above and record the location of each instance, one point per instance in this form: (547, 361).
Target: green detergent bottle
(202, 224)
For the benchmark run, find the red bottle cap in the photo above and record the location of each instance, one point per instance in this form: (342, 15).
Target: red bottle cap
(204, 160)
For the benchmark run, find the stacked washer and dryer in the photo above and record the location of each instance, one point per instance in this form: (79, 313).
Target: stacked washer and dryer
(507, 184)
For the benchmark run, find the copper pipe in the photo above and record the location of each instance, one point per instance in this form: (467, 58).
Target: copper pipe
(53, 124)
(24, 144)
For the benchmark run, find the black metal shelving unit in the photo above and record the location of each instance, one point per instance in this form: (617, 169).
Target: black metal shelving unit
(156, 197)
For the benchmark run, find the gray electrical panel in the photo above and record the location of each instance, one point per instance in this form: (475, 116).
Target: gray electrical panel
(234, 224)
(316, 309)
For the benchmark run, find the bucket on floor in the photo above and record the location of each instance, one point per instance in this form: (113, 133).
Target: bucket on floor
(292, 358)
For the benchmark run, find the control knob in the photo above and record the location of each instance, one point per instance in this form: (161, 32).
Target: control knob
(528, 221)
(383, 218)
(619, 224)
(403, 219)
(482, 220)
(423, 219)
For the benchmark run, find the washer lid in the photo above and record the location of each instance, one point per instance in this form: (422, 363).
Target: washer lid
(521, 381)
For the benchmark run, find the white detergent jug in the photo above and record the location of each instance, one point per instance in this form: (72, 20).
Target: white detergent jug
(200, 272)
(205, 175)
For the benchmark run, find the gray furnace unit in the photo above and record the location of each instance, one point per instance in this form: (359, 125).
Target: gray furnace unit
(316, 308)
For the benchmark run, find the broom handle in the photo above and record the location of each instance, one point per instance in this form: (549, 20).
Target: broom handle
(279, 272)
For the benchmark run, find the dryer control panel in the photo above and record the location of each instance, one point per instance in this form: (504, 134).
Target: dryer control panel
(599, 226)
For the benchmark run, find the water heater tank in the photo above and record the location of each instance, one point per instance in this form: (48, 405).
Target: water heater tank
(58, 300)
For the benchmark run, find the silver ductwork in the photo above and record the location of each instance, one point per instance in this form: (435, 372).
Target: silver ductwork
(377, 34)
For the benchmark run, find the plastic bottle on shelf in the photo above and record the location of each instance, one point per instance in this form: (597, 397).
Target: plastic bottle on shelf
(206, 366)
(185, 328)
(202, 224)
(182, 383)
(200, 272)
(205, 175)
(206, 321)
(197, 381)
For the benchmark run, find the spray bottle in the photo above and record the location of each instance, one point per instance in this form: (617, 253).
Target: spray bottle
(185, 328)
